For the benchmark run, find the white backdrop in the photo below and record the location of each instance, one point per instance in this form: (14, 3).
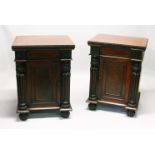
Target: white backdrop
(80, 117)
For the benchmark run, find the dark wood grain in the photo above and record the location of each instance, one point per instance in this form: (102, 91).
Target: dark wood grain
(115, 52)
(113, 81)
(115, 71)
(43, 82)
(43, 74)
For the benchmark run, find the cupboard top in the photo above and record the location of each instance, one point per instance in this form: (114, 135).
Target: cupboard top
(102, 39)
(54, 41)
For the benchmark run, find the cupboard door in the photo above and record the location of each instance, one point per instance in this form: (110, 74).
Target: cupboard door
(43, 83)
(114, 80)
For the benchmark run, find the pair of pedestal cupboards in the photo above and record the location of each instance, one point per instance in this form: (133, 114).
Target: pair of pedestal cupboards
(43, 66)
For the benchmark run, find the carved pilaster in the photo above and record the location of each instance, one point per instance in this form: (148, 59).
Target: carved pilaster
(135, 76)
(20, 70)
(65, 84)
(94, 71)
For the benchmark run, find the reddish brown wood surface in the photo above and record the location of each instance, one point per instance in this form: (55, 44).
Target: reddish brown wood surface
(43, 82)
(43, 73)
(43, 41)
(114, 79)
(115, 71)
(119, 40)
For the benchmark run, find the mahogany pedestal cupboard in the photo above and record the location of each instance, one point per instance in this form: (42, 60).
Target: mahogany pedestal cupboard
(116, 63)
(43, 74)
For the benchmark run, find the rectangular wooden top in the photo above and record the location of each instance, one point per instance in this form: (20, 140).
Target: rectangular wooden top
(118, 40)
(51, 41)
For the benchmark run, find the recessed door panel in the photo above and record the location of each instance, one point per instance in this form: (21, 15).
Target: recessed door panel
(114, 77)
(43, 81)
